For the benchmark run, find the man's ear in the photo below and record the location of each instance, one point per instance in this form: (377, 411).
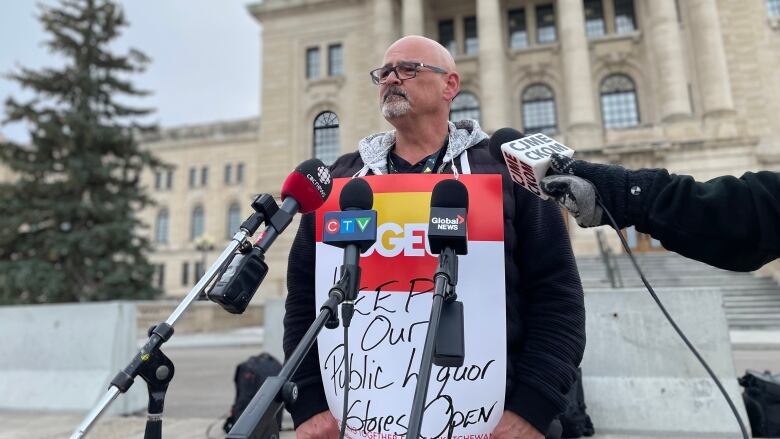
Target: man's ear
(452, 87)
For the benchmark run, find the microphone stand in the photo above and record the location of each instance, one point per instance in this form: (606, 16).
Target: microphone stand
(445, 280)
(258, 421)
(150, 362)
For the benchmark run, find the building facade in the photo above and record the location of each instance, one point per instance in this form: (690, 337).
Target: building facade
(201, 199)
(688, 85)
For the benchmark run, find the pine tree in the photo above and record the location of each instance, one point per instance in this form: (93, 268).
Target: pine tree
(69, 231)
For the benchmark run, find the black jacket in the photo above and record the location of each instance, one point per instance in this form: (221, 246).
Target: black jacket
(545, 313)
(728, 222)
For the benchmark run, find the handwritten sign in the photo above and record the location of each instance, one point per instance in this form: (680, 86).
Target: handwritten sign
(388, 330)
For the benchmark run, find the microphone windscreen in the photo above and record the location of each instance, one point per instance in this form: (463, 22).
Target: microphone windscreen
(450, 193)
(356, 195)
(309, 184)
(500, 137)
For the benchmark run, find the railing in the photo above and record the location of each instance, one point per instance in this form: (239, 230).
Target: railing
(609, 260)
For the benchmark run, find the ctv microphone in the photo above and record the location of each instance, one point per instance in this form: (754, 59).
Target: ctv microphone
(526, 157)
(304, 190)
(354, 230)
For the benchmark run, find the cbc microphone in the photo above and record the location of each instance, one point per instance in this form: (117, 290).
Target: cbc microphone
(304, 190)
(526, 157)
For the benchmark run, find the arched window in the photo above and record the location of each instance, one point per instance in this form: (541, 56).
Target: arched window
(465, 106)
(197, 223)
(161, 227)
(233, 219)
(539, 110)
(326, 137)
(618, 102)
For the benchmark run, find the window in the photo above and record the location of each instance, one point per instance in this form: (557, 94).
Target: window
(471, 44)
(545, 24)
(169, 179)
(204, 176)
(157, 179)
(228, 173)
(326, 137)
(240, 173)
(539, 110)
(161, 227)
(594, 18)
(624, 16)
(185, 273)
(518, 35)
(464, 106)
(312, 63)
(773, 8)
(160, 275)
(197, 223)
(233, 219)
(618, 102)
(199, 271)
(447, 36)
(335, 60)
(193, 177)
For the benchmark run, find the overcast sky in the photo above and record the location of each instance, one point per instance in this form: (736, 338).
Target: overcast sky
(205, 57)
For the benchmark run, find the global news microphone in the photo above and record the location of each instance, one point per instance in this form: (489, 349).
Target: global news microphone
(727, 222)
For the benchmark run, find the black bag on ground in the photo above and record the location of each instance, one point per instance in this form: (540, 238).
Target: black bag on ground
(762, 402)
(249, 376)
(574, 420)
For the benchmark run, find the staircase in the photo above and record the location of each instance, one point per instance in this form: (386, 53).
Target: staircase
(749, 302)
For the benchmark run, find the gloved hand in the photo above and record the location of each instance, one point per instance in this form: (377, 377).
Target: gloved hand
(576, 184)
(575, 194)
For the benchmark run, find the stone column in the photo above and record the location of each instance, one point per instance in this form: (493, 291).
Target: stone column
(492, 66)
(413, 17)
(666, 43)
(577, 77)
(710, 58)
(385, 33)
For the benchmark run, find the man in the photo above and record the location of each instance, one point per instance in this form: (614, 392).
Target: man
(545, 310)
(727, 222)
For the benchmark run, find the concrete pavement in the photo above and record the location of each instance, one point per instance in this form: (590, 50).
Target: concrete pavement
(202, 389)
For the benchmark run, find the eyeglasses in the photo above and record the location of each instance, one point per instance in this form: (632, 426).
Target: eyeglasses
(403, 70)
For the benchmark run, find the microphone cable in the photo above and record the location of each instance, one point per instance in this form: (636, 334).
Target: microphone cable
(666, 314)
(348, 372)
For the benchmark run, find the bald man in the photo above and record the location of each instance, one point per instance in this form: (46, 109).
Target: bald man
(545, 316)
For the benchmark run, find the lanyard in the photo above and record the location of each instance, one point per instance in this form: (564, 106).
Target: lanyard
(430, 163)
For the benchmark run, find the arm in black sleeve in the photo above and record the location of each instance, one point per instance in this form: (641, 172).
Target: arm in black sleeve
(299, 315)
(728, 222)
(544, 367)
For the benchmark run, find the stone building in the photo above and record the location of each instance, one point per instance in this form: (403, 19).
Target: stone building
(689, 85)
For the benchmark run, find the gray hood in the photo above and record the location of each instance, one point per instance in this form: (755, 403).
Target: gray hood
(373, 149)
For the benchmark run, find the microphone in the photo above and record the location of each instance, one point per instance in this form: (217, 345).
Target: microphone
(526, 157)
(304, 190)
(444, 341)
(447, 224)
(448, 228)
(354, 230)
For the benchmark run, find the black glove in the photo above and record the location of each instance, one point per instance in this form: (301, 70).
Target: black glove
(576, 184)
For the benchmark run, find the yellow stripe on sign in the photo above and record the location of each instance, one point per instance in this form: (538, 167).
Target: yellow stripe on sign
(402, 207)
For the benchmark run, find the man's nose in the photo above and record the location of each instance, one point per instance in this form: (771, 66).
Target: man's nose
(392, 78)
